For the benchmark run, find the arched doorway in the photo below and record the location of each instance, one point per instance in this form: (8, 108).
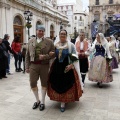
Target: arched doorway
(52, 31)
(18, 28)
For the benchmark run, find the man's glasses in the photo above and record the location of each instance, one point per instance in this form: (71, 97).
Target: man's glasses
(81, 35)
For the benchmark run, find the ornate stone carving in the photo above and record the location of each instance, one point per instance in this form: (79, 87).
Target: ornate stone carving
(17, 20)
(4, 5)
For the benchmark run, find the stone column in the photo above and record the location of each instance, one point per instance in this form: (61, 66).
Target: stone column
(91, 18)
(58, 27)
(3, 20)
(55, 29)
(46, 26)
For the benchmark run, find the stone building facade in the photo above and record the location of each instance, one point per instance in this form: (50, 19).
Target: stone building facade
(81, 22)
(69, 8)
(13, 21)
(99, 11)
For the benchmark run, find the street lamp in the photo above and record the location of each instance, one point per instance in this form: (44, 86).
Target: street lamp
(28, 17)
(75, 33)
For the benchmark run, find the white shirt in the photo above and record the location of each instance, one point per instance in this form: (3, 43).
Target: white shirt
(117, 44)
(39, 40)
(81, 45)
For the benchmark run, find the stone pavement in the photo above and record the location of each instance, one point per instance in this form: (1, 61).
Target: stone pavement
(16, 100)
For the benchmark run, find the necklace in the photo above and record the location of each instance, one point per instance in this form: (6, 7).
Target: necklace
(62, 43)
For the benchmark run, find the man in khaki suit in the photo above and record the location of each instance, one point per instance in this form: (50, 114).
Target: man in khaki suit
(37, 64)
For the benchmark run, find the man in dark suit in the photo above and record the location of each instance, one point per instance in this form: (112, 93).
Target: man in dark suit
(7, 44)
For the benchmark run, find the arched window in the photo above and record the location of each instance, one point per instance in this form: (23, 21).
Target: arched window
(110, 1)
(59, 8)
(51, 28)
(17, 20)
(69, 7)
(18, 27)
(75, 17)
(80, 18)
(97, 2)
(52, 31)
(110, 15)
(97, 16)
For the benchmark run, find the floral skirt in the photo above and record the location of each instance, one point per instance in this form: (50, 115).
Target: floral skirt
(100, 71)
(73, 94)
(114, 63)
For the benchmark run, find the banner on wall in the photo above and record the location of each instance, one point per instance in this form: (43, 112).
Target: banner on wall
(94, 29)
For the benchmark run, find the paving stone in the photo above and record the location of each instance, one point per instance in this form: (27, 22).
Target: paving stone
(16, 100)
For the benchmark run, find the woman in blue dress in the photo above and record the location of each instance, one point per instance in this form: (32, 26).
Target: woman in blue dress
(64, 84)
(100, 69)
(113, 52)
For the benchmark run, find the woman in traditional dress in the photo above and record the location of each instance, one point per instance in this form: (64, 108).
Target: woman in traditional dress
(112, 48)
(117, 45)
(64, 84)
(100, 69)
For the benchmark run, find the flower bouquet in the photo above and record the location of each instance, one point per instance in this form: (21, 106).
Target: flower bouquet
(109, 61)
(73, 58)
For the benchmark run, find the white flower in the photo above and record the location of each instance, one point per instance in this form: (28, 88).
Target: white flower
(74, 55)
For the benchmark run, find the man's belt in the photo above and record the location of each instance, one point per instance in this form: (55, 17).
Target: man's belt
(82, 57)
(36, 62)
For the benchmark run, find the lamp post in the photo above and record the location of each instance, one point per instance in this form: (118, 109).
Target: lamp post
(75, 32)
(28, 17)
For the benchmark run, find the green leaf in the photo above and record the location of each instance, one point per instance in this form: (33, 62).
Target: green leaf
(73, 57)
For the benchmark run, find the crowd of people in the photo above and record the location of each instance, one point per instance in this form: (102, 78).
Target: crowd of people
(63, 79)
(61, 65)
(17, 50)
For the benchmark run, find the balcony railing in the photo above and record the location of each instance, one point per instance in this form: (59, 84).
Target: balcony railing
(32, 3)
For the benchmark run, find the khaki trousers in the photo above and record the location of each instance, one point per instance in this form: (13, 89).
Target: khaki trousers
(38, 71)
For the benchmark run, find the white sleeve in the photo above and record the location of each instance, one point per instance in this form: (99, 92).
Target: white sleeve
(77, 68)
(108, 51)
(91, 48)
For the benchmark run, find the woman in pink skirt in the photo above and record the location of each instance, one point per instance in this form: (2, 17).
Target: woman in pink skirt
(100, 68)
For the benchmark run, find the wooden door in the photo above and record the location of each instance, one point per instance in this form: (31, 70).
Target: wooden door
(52, 34)
(18, 31)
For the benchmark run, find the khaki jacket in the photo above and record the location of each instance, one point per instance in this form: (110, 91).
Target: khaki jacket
(46, 47)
